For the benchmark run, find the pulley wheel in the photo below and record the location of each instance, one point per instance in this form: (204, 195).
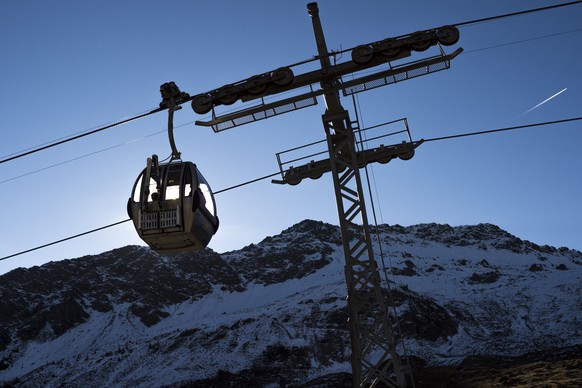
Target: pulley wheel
(448, 35)
(314, 173)
(362, 54)
(419, 41)
(291, 177)
(385, 160)
(228, 95)
(390, 48)
(202, 103)
(316, 176)
(407, 155)
(283, 76)
(256, 85)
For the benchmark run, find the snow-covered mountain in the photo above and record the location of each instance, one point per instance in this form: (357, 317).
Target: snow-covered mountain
(274, 313)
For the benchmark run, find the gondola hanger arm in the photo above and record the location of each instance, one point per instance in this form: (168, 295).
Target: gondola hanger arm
(172, 97)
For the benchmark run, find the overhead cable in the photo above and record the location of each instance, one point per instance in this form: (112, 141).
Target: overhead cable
(502, 129)
(81, 157)
(520, 41)
(246, 183)
(64, 239)
(121, 222)
(68, 139)
(274, 174)
(75, 137)
(517, 13)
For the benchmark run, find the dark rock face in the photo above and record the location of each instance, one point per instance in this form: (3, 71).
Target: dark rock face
(408, 269)
(427, 320)
(55, 297)
(275, 313)
(487, 277)
(296, 252)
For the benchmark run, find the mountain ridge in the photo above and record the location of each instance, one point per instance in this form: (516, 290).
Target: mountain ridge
(276, 310)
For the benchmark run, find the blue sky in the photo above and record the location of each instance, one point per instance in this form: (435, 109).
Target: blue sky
(71, 66)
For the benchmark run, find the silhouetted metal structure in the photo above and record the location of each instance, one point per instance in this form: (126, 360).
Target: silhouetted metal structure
(375, 359)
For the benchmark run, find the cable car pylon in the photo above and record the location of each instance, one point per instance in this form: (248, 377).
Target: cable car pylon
(365, 298)
(375, 359)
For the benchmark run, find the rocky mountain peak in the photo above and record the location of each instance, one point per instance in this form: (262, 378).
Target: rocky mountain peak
(276, 310)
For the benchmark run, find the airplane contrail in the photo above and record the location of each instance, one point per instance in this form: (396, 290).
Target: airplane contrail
(544, 101)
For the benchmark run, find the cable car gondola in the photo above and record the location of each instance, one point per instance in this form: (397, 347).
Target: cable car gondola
(171, 205)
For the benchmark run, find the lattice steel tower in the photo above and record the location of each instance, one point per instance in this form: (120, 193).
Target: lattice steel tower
(375, 359)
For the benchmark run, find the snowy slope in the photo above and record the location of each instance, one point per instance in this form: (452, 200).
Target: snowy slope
(509, 296)
(275, 312)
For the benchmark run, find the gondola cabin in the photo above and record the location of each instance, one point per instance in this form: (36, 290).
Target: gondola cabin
(172, 207)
